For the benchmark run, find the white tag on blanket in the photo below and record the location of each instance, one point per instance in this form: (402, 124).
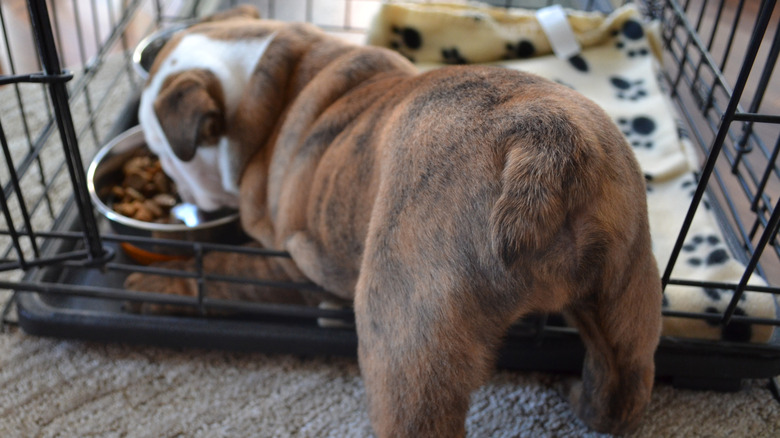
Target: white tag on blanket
(555, 24)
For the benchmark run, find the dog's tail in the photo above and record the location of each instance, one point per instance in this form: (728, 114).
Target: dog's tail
(544, 178)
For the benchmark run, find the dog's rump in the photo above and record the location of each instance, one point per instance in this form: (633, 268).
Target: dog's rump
(501, 194)
(517, 158)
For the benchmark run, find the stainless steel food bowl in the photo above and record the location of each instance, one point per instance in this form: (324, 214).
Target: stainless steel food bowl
(148, 48)
(105, 171)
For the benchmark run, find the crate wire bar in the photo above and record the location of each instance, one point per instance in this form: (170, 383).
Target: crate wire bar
(45, 35)
(732, 113)
(71, 267)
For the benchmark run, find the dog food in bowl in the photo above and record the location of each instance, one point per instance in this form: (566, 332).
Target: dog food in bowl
(145, 193)
(129, 188)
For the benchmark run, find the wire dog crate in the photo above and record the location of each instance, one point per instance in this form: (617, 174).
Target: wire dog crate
(62, 269)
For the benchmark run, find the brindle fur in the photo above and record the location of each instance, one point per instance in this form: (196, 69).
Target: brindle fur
(447, 205)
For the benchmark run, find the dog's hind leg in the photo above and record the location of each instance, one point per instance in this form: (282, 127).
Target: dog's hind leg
(421, 352)
(620, 328)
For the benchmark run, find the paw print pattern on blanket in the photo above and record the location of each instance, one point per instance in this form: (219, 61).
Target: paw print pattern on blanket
(627, 89)
(407, 39)
(579, 63)
(523, 49)
(638, 131)
(631, 39)
(735, 331)
(690, 186)
(714, 301)
(648, 181)
(705, 251)
(718, 294)
(452, 56)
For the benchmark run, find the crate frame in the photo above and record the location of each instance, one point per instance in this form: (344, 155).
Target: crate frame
(54, 293)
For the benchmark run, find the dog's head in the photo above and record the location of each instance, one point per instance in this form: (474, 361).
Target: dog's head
(193, 91)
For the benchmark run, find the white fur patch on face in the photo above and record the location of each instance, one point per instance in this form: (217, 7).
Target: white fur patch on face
(210, 179)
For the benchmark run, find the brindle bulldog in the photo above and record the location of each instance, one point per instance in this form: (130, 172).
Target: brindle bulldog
(446, 205)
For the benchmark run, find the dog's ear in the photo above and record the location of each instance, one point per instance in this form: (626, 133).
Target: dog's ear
(191, 110)
(240, 11)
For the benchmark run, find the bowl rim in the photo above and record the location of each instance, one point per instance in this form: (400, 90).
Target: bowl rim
(138, 51)
(110, 214)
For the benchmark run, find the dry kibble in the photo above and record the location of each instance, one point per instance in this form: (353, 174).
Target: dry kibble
(137, 163)
(153, 208)
(165, 200)
(145, 192)
(134, 194)
(136, 180)
(161, 182)
(143, 214)
(125, 208)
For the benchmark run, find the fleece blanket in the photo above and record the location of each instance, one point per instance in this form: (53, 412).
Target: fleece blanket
(617, 67)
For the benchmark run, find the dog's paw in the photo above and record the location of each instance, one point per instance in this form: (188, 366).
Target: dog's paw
(571, 389)
(565, 387)
(160, 284)
(604, 413)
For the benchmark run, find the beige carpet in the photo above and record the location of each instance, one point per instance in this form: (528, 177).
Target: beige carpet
(53, 388)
